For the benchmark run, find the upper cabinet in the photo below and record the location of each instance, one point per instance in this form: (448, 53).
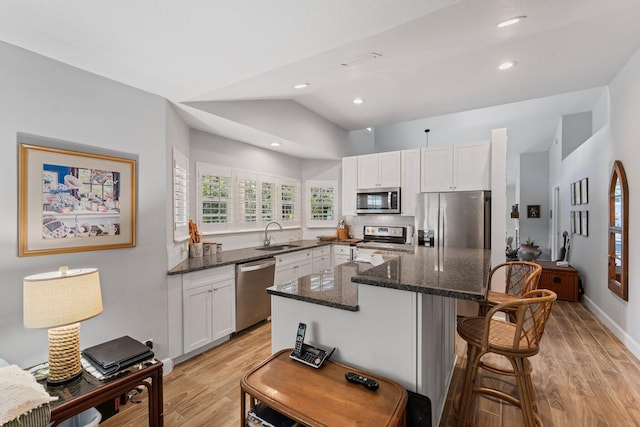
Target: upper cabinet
(349, 184)
(460, 167)
(410, 181)
(379, 170)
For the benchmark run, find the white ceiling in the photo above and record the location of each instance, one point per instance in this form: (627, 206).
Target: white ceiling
(438, 56)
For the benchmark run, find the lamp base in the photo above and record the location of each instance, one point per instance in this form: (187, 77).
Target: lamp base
(64, 354)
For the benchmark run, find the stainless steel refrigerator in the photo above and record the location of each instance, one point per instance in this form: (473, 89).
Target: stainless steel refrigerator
(459, 219)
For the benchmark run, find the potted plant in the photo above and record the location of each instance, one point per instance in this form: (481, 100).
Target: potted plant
(529, 251)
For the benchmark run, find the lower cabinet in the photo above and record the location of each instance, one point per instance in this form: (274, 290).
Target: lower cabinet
(321, 258)
(209, 307)
(292, 265)
(341, 254)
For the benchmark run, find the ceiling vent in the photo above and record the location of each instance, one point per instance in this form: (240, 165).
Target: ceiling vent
(360, 59)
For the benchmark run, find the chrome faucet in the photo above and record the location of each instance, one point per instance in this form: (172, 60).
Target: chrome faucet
(267, 239)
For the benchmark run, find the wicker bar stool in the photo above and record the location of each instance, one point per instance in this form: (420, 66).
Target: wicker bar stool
(521, 277)
(516, 341)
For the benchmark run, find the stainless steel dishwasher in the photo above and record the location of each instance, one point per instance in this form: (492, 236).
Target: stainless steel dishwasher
(253, 303)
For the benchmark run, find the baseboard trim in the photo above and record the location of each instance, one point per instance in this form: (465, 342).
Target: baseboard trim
(627, 340)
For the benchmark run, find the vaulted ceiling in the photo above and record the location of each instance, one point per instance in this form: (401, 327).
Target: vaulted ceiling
(408, 59)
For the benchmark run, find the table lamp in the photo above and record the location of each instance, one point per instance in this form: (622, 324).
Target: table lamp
(59, 300)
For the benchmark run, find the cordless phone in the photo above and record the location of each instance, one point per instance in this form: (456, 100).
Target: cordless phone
(308, 354)
(302, 329)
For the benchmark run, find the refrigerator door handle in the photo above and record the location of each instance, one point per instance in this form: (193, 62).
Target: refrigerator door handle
(441, 217)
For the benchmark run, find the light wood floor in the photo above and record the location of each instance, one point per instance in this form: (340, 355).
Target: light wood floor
(583, 377)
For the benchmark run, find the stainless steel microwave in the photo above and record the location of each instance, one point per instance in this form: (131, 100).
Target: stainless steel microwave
(378, 200)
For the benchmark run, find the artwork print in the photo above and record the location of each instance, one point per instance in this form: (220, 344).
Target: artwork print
(72, 201)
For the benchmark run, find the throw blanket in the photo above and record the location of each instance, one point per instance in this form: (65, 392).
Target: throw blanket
(20, 393)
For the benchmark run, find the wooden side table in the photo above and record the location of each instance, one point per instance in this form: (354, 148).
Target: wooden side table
(564, 281)
(321, 397)
(87, 391)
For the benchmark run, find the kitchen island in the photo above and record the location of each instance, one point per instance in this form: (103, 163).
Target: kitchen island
(396, 319)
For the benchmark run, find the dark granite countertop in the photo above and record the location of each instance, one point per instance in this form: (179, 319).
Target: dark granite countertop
(332, 287)
(457, 273)
(237, 256)
(462, 275)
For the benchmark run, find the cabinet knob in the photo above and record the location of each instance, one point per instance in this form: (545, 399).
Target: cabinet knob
(556, 280)
(209, 291)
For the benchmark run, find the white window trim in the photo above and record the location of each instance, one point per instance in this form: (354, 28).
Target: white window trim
(297, 214)
(235, 226)
(209, 169)
(311, 223)
(180, 213)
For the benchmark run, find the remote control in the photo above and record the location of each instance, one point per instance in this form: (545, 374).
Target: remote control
(352, 377)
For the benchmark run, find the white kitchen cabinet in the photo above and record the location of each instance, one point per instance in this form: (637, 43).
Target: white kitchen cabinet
(349, 185)
(410, 168)
(472, 166)
(321, 258)
(460, 167)
(341, 254)
(208, 299)
(293, 265)
(379, 170)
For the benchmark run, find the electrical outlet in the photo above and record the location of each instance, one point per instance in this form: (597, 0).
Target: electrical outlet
(149, 343)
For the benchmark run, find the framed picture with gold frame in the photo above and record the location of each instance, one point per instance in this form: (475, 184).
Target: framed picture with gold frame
(71, 201)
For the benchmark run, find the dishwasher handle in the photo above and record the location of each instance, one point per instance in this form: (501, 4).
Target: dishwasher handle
(245, 268)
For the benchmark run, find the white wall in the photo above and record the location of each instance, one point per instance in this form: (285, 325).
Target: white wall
(576, 129)
(534, 190)
(52, 100)
(617, 128)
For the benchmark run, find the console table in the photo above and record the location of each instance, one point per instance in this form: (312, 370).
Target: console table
(87, 391)
(321, 396)
(564, 281)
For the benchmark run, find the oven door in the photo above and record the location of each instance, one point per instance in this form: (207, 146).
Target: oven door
(378, 201)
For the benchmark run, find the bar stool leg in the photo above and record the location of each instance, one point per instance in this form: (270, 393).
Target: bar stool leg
(525, 389)
(470, 374)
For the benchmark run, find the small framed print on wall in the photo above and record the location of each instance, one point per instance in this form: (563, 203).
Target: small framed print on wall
(584, 223)
(533, 211)
(584, 190)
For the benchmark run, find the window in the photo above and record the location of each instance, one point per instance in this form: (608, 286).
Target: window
(247, 201)
(290, 202)
(235, 200)
(180, 197)
(618, 265)
(321, 203)
(268, 201)
(214, 198)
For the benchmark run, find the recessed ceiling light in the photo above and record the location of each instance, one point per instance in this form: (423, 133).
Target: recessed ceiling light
(275, 144)
(301, 85)
(506, 65)
(358, 101)
(511, 21)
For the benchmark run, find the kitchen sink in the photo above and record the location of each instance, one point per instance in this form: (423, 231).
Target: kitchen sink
(277, 247)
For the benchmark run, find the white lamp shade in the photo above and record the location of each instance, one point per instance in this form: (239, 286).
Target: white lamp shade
(61, 297)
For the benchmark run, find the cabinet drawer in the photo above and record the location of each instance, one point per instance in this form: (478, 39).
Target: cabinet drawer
(321, 251)
(208, 276)
(342, 250)
(293, 257)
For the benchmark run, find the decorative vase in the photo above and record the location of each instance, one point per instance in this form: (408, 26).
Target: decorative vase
(529, 253)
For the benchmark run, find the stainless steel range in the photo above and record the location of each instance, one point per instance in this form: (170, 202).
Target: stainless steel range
(376, 236)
